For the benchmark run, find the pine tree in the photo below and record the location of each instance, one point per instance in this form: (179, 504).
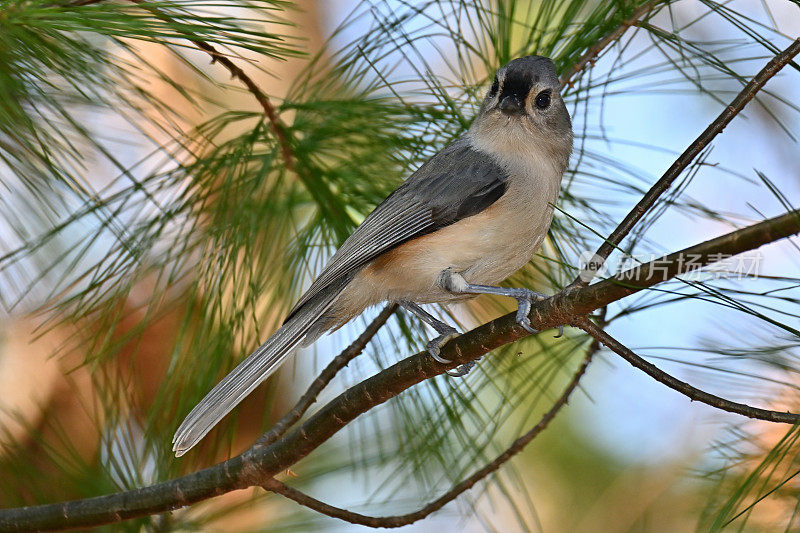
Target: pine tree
(175, 172)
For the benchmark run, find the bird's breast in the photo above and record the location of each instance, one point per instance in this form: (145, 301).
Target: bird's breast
(486, 248)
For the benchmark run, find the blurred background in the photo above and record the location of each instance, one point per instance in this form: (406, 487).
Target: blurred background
(153, 230)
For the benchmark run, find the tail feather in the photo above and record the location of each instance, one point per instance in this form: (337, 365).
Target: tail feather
(251, 372)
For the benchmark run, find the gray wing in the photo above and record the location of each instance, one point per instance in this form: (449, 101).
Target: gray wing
(456, 183)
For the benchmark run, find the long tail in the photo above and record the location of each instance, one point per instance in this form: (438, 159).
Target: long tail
(251, 372)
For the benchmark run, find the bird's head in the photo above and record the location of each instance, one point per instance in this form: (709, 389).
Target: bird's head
(524, 105)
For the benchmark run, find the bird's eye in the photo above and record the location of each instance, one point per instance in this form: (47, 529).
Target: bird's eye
(543, 100)
(495, 87)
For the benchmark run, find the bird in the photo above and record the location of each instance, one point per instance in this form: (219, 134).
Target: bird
(464, 221)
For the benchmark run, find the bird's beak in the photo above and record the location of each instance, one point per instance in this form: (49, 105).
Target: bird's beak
(511, 105)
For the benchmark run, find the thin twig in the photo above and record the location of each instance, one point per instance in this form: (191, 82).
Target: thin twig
(275, 123)
(517, 446)
(691, 392)
(325, 377)
(322, 194)
(594, 51)
(259, 464)
(649, 199)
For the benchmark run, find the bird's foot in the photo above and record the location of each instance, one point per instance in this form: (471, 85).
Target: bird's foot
(446, 334)
(525, 299)
(452, 281)
(435, 347)
(461, 370)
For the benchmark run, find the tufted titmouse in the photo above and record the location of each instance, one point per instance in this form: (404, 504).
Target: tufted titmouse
(467, 219)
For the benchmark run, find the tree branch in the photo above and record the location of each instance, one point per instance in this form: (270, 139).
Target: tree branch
(594, 51)
(517, 446)
(649, 199)
(693, 393)
(320, 191)
(259, 464)
(235, 71)
(325, 377)
(583, 300)
(275, 123)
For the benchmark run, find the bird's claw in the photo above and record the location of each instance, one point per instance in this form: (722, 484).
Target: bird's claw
(461, 370)
(435, 347)
(525, 322)
(524, 302)
(525, 299)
